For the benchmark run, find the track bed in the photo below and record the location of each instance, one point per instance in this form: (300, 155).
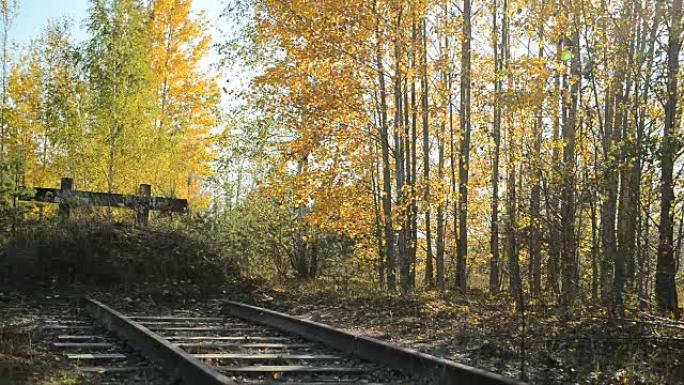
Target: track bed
(250, 345)
(249, 353)
(97, 355)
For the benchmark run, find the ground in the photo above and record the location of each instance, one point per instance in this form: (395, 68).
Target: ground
(473, 329)
(487, 333)
(25, 357)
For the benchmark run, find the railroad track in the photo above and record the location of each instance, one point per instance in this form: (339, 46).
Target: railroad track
(251, 345)
(99, 355)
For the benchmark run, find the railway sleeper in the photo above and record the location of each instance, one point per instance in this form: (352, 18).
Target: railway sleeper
(219, 338)
(90, 350)
(143, 318)
(268, 356)
(254, 345)
(201, 329)
(152, 324)
(99, 346)
(246, 347)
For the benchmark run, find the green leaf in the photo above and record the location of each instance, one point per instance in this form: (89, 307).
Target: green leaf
(566, 55)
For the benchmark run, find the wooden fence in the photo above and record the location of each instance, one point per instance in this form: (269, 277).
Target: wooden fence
(142, 203)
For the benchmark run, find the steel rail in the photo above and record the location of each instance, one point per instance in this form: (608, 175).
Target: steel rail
(437, 370)
(177, 363)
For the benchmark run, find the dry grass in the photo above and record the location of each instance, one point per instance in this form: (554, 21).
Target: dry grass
(486, 332)
(18, 352)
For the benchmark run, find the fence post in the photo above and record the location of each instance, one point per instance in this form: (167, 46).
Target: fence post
(143, 210)
(66, 185)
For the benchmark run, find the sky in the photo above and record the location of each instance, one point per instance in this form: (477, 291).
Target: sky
(34, 15)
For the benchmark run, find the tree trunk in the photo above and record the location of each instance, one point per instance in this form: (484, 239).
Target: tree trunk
(378, 221)
(496, 136)
(626, 225)
(414, 159)
(440, 169)
(643, 218)
(452, 167)
(568, 258)
(515, 282)
(515, 287)
(610, 139)
(301, 257)
(6, 20)
(463, 164)
(405, 264)
(386, 175)
(594, 249)
(551, 189)
(429, 272)
(665, 287)
(535, 193)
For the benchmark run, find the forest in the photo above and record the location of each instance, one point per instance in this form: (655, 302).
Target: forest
(515, 162)
(528, 147)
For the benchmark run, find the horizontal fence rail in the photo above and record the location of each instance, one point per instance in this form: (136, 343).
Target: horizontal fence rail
(142, 203)
(90, 198)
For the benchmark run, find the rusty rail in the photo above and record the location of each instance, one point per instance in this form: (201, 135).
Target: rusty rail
(189, 369)
(177, 363)
(438, 370)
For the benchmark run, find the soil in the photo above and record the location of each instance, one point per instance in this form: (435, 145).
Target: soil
(472, 329)
(487, 333)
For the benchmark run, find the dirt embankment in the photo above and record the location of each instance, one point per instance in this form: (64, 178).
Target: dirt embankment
(104, 254)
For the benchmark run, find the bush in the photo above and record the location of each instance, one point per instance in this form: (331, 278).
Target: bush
(49, 255)
(258, 234)
(268, 240)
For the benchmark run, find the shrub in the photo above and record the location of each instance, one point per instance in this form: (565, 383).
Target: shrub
(48, 255)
